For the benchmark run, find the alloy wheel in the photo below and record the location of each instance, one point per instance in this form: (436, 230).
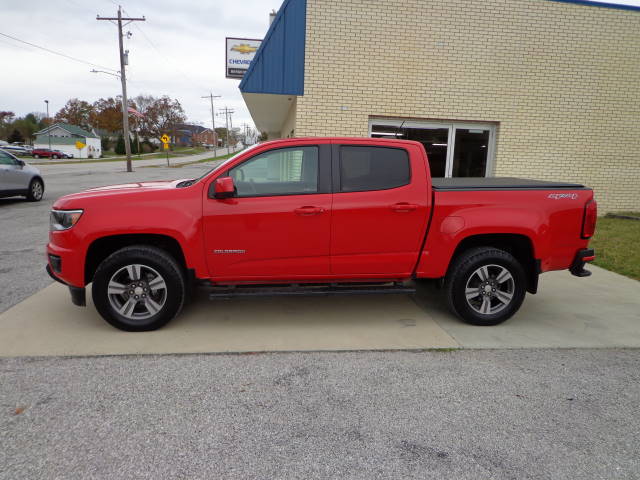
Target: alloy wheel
(137, 292)
(490, 289)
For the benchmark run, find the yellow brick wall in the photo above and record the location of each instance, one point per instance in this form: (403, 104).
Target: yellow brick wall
(561, 81)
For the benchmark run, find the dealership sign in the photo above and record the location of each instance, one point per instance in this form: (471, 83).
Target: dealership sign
(240, 52)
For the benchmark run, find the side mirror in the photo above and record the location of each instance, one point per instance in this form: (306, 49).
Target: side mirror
(20, 162)
(224, 188)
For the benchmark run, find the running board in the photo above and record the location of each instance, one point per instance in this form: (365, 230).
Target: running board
(303, 291)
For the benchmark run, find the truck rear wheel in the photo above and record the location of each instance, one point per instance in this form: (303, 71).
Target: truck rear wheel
(139, 288)
(485, 286)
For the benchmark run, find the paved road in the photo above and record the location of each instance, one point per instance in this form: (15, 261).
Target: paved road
(511, 414)
(24, 226)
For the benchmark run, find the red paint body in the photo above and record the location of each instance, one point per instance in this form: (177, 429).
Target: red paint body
(399, 233)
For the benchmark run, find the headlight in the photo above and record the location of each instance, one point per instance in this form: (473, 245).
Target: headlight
(63, 219)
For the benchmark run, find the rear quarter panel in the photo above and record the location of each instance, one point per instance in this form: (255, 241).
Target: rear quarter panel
(551, 219)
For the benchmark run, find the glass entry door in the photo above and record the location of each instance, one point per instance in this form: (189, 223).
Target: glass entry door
(454, 149)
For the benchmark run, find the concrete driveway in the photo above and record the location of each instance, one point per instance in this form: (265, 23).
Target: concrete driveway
(600, 311)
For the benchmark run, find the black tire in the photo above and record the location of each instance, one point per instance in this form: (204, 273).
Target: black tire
(36, 156)
(151, 259)
(54, 156)
(36, 190)
(499, 300)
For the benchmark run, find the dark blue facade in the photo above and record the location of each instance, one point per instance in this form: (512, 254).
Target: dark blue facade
(278, 66)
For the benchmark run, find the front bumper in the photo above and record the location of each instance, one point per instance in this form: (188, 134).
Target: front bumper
(577, 267)
(78, 294)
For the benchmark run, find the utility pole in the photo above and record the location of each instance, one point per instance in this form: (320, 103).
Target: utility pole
(227, 115)
(49, 126)
(123, 79)
(211, 96)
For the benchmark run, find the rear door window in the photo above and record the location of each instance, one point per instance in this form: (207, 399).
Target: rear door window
(373, 168)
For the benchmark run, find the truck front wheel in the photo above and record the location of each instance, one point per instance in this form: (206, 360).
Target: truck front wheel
(485, 286)
(139, 288)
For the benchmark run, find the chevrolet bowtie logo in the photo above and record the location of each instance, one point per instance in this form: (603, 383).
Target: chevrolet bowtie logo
(244, 48)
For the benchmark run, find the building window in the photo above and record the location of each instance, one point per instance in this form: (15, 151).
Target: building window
(373, 168)
(454, 149)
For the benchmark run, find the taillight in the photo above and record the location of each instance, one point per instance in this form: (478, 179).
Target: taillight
(590, 218)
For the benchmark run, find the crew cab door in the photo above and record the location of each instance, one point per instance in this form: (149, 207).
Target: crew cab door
(277, 225)
(380, 209)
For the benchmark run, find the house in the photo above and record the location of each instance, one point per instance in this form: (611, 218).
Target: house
(205, 137)
(65, 137)
(191, 135)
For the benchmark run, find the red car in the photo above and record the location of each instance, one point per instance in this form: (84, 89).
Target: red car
(318, 216)
(46, 153)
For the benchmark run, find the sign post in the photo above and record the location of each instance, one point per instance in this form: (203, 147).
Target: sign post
(165, 144)
(80, 146)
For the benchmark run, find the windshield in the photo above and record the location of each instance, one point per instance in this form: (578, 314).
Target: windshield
(225, 163)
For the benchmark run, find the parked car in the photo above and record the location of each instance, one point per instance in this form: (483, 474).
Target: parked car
(63, 154)
(19, 178)
(16, 149)
(46, 153)
(318, 216)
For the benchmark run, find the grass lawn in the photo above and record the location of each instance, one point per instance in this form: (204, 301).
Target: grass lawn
(617, 245)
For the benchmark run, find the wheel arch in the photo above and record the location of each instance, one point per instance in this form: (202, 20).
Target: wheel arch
(102, 247)
(518, 245)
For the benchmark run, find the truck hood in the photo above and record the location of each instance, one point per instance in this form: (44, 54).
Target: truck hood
(76, 200)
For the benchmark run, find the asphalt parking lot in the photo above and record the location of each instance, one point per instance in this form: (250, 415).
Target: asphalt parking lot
(480, 412)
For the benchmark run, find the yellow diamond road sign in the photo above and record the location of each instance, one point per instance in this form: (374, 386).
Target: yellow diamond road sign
(165, 138)
(80, 145)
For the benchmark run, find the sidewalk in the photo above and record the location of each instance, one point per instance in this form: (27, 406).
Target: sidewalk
(137, 162)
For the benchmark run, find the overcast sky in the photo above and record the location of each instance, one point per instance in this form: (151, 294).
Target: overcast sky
(178, 51)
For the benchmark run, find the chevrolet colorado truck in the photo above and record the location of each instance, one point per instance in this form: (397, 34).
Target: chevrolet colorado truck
(317, 216)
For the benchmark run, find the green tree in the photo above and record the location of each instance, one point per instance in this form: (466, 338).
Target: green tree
(105, 143)
(120, 145)
(15, 136)
(76, 112)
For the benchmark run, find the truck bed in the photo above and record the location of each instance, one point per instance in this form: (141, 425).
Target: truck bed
(500, 183)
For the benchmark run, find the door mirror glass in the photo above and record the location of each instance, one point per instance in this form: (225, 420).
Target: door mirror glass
(20, 163)
(224, 188)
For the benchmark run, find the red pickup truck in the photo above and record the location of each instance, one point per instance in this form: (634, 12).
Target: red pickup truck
(317, 216)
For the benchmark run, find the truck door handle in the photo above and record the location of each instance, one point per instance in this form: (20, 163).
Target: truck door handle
(404, 207)
(308, 210)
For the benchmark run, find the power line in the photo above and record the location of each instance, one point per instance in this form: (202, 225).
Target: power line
(57, 53)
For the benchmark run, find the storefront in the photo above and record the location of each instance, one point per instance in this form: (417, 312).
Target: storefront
(544, 89)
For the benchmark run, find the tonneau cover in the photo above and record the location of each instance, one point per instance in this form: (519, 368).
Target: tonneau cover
(499, 183)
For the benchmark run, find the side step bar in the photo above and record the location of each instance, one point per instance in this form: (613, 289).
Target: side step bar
(303, 291)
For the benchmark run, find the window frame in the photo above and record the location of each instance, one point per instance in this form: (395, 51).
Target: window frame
(336, 163)
(324, 172)
(451, 125)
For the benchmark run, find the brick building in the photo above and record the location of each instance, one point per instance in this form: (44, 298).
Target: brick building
(205, 137)
(546, 89)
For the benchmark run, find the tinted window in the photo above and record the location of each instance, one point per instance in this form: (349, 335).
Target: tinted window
(286, 171)
(373, 168)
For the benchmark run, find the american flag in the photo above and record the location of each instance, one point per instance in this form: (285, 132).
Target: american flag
(135, 112)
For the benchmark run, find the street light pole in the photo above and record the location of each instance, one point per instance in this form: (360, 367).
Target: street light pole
(48, 126)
